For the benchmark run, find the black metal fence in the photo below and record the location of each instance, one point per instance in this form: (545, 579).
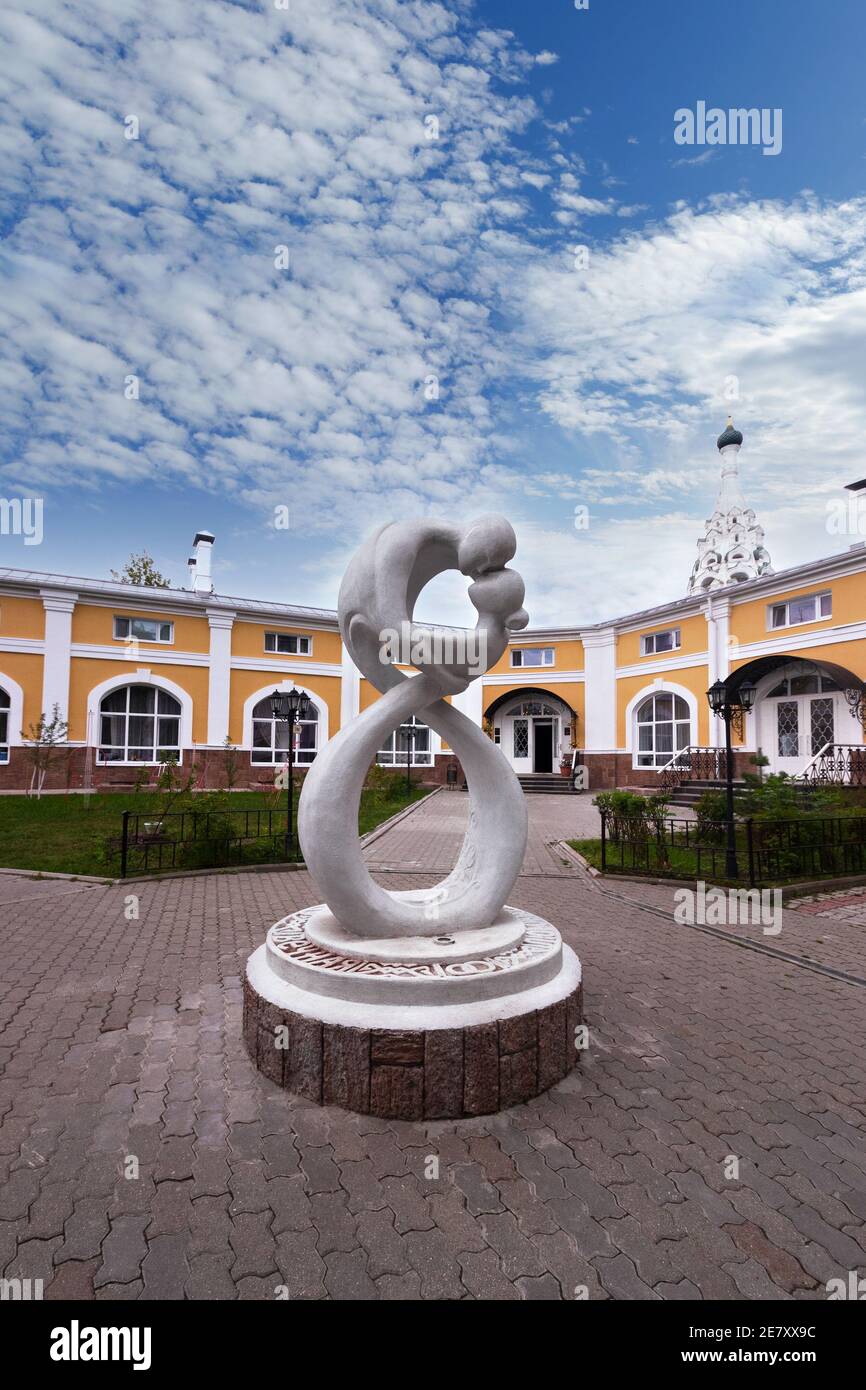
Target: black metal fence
(838, 765)
(153, 843)
(767, 851)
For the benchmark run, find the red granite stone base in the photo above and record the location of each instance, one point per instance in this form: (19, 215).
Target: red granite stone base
(398, 1074)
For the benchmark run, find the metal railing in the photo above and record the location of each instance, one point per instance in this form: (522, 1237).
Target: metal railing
(694, 764)
(767, 850)
(151, 842)
(837, 765)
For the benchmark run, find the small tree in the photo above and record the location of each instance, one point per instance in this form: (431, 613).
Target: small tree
(42, 742)
(141, 570)
(231, 768)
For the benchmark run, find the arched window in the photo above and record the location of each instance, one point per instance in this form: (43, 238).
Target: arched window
(138, 724)
(4, 726)
(271, 736)
(411, 732)
(663, 728)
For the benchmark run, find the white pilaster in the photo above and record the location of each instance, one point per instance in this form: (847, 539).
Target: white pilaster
(350, 688)
(718, 616)
(219, 675)
(600, 686)
(471, 702)
(58, 607)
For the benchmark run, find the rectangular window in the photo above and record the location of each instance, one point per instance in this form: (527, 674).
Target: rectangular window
(288, 643)
(142, 630)
(654, 642)
(532, 656)
(811, 608)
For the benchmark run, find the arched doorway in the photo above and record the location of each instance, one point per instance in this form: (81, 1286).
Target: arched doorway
(532, 728)
(801, 707)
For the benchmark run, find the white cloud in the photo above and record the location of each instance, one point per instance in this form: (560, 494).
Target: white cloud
(411, 258)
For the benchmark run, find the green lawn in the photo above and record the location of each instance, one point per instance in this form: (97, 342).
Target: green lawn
(69, 834)
(683, 862)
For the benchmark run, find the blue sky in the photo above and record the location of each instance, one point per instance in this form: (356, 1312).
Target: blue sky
(409, 258)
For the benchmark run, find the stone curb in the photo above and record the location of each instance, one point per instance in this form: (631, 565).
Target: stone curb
(64, 878)
(571, 854)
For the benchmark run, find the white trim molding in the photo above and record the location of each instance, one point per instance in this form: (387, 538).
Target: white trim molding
(142, 676)
(16, 710)
(509, 678)
(673, 663)
(279, 665)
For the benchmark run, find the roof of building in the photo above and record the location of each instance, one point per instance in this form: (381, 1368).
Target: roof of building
(42, 579)
(854, 558)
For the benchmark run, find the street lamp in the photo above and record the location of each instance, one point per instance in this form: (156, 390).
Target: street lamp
(290, 705)
(409, 729)
(730, 707)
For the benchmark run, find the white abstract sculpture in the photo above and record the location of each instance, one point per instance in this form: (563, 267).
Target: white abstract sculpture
(377, 597)
(442, 1001)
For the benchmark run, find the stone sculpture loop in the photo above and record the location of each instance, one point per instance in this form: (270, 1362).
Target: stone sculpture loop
(377, 597)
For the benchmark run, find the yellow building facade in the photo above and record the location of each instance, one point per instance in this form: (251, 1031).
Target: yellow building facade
(139, 675)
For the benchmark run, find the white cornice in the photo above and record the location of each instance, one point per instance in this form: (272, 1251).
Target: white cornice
(673, 663)
(600, 637)
(281, 623)
(127, 652)
(34, 645)
(297, 666)
(851, 632)
(536, 677)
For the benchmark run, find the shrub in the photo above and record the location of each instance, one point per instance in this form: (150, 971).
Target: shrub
(627, 814)
(384, 782)
(711, 808)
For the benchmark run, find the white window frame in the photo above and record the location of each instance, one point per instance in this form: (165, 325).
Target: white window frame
(800, 598)
(393, 754)
(548, 658)
(648, 641)
(126, 714)
(279, 757)
(129, 636)
(299, 638)
(5, 716)
(659, 757)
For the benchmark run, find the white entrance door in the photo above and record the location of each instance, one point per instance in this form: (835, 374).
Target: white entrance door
(796, 727)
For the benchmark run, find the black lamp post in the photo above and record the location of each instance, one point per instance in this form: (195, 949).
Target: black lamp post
(730, 707)
(290, 705)
(410, 742)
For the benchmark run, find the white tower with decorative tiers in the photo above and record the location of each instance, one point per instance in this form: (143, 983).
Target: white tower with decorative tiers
(732, 546)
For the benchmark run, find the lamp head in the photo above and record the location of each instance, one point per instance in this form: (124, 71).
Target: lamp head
(716, 697)
(746, 694)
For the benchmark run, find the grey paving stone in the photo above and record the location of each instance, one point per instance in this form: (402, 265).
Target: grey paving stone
(617, 1169)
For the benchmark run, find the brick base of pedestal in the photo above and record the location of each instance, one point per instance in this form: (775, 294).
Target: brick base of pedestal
(435, 1074)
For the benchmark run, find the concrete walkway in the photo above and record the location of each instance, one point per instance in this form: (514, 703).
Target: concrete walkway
(429, 840)
(143, 1156)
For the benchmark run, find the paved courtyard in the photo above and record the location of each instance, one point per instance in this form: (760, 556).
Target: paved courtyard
(144, 1157)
